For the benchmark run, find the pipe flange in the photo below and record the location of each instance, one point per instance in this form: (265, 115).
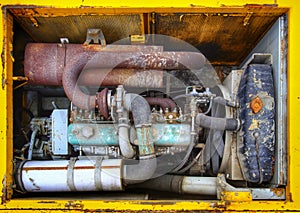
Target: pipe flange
(101, 103)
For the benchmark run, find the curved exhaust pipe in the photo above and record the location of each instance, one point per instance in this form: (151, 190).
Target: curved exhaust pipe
(154, 61)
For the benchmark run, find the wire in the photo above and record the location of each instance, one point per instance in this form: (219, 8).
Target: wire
(187, 155)
(32, 142)
(194, 161)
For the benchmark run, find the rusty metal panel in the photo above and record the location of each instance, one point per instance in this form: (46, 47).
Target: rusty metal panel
(222, 38)
(51, 29)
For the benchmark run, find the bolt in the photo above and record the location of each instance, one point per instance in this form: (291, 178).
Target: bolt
(87, 131)
(75, 132)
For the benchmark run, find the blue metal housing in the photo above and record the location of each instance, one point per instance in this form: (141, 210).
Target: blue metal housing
(257, 147)
(107, 134)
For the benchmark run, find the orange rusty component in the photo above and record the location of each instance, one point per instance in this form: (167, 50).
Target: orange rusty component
(256, 104)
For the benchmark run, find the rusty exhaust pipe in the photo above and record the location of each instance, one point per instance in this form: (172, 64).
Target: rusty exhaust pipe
(138, 60)
(44, 63)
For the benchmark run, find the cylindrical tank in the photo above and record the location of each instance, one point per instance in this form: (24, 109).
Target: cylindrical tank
(94, 174)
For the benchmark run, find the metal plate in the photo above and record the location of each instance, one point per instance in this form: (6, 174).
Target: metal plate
(59, 131)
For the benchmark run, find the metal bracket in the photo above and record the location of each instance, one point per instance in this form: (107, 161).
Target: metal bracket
(247, 18)
(259, 58)
(95, 35)
(97, 174)
(70, 174)
(64, 40)
(227, 192)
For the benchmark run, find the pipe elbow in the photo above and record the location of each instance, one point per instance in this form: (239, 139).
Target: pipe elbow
(134, 173)
(140, 109)
(69, 80)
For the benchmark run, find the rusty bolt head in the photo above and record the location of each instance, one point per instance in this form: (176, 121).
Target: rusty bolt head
(87, 131)
(256, 105)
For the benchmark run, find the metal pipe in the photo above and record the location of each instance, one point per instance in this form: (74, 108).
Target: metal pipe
(72, 90)
(44, 64)
(138, 171)
(146, 166)
(118, 76)
(93, 174)
(124, 142)
(138, 60)
(162, 102)
(140, 109)
(229, 124)
(182, 184)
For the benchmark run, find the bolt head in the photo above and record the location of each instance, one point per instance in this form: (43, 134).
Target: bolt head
(87, 132)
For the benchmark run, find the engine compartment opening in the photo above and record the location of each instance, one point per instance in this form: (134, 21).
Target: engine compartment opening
(155, 115)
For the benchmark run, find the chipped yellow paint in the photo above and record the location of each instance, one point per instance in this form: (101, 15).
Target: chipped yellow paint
(236, 196)
(238, 203)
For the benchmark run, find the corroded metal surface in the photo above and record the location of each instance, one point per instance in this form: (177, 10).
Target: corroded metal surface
(207, 28)
(212, 34)
(119, 76)
(101, 102)
(45, 63)
(256, 104)
(136, 60)
(146, 144)
(162, 102)
(165, 60)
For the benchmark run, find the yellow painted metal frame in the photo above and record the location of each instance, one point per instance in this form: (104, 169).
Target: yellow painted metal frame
(231, 202)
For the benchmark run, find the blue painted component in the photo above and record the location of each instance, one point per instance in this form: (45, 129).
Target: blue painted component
(171, 134)
(106, 134)
(93, 134)
(257, 147)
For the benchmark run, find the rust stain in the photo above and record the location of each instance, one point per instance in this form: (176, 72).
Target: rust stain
(3, 58)
(47, 201)
(162, 102)
(110, 167)
(57, 168)
(74, 204)
(101, 102)
(278, 191)
(158, 203)
(256, 104)
(3, 197)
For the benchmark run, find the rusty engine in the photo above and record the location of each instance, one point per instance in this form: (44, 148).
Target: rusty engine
(136, 116)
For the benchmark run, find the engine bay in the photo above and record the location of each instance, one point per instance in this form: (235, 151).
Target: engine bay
(148, 114)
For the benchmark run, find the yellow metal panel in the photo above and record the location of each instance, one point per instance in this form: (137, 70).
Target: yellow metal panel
(293, 202)
(294, 102)
(6, 112)
(139, 4)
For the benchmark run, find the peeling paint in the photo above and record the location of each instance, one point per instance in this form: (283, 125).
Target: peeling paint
(254, 124)
(3, 197)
